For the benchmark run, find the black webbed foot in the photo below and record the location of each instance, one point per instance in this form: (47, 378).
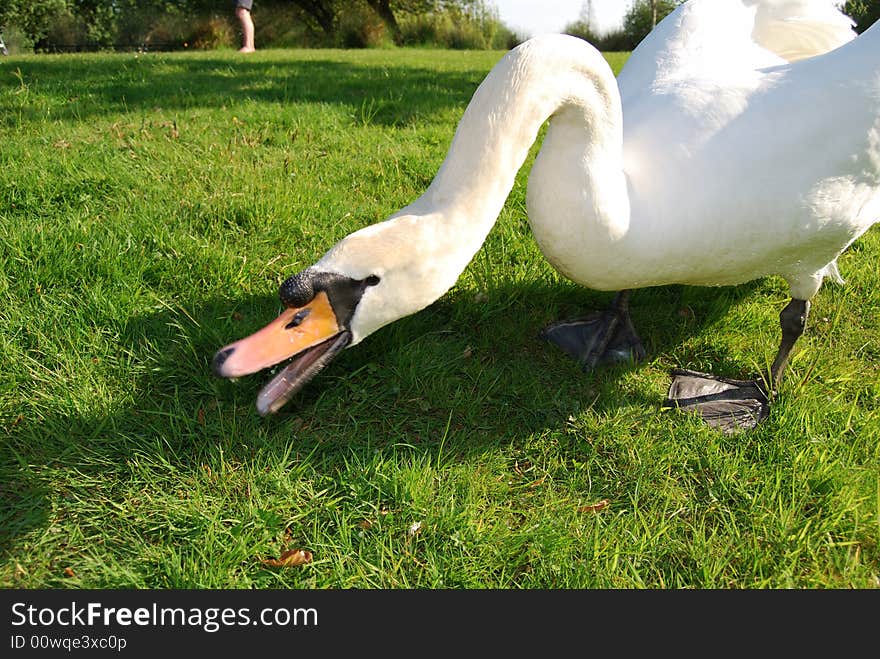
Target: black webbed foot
(729, 405)
(737, 405)
(603, 337)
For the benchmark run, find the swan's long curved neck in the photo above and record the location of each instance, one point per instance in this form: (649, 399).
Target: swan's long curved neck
(419, 253)
(551, 75)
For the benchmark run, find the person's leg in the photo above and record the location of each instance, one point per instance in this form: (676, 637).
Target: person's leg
(247, 29)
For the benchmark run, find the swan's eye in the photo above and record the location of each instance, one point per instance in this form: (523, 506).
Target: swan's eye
(372, 280)
(298, 317)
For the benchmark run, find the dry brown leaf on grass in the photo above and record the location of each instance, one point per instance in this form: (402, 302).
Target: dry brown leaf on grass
(289, 558)
(594, 508)
(68, 572)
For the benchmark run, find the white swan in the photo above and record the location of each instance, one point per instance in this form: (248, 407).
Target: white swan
(742, 139)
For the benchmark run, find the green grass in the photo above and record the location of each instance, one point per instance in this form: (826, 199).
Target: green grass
(150, 206)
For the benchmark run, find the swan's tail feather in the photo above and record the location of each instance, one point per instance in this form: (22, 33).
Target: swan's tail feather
(833, 273)
(798, 29)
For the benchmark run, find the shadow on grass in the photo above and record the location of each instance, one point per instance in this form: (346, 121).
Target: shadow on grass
(461, 377)
(389, 95)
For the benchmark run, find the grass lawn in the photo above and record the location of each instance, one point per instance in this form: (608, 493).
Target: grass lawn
(149, 207)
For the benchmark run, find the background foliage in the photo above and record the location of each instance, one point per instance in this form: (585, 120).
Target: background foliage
(66, 25)
(864, 12)
(72, 25)
(637, 23)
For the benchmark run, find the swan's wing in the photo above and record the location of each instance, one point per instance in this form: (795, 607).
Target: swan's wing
(701, 39)
(726, 148)
(797, 29)
(706, 39)
(689, 78)
(700, 67)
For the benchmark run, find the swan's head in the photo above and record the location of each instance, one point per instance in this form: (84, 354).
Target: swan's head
(370, 278)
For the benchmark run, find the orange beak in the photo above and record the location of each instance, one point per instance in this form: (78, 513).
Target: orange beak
(309, 334)
(292, 332)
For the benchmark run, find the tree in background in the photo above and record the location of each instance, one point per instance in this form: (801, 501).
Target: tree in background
(864, 12)
(386, 13)
(98, 19)
(33, 17)
(643, 16)
(585, 28)
(459, 24)
(443, 23)
(639, 20)
(90, 22)
(326, 13)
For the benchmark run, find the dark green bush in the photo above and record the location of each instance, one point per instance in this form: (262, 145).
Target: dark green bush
(360, 27)
(448, 30)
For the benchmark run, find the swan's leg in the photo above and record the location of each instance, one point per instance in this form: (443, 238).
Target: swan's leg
(793, 320)
(735, 405)
(602, 337)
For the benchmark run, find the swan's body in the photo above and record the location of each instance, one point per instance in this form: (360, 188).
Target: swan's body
(712, 160)
(738, 164)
